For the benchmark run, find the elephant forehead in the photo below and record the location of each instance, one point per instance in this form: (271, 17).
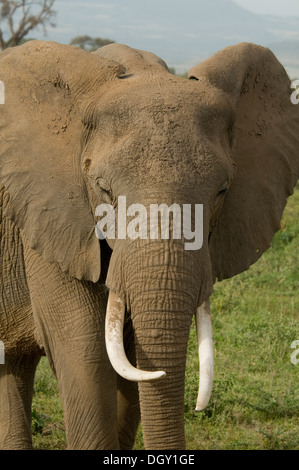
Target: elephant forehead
(177, 108)
(148, 159)
(146, 129)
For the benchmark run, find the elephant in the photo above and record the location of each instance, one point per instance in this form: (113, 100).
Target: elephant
(82, 132)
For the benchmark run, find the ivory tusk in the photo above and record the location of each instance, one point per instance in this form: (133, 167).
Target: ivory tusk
(115, 346)
(205, 351)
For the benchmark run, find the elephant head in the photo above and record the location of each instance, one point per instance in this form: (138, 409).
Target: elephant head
(86, 129)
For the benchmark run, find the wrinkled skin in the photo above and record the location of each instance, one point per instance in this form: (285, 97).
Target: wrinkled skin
(81, 129)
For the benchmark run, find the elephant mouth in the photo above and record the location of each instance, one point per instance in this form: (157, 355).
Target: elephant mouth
(115, 348)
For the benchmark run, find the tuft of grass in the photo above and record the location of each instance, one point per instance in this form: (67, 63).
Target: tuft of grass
(48, 430)
(255, 398)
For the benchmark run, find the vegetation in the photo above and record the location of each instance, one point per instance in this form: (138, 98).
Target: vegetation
(255, 399)
(19, 17)
(90, 44)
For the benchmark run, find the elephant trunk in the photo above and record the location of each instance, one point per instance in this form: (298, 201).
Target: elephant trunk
(161, 286)
(161, 337)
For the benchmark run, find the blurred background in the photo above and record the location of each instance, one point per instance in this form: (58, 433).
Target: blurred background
(182, 32)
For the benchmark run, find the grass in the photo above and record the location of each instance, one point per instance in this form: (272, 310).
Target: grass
(47, 416)
(255, 399)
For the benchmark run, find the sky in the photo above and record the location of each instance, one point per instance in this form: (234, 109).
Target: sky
(180, 31)
(104, 10)
(271, 7)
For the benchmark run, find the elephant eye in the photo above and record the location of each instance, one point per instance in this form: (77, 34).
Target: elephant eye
(222, 191)
(223, 188)
(104, 186)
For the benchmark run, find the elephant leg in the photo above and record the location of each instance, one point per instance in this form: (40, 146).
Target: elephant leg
(128, 397)
(70, 316)
(16, 390)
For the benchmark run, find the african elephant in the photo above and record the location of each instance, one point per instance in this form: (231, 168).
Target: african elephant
(80, 130)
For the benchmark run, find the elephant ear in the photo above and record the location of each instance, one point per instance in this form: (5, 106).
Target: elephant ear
(49, 88)
(265, 148)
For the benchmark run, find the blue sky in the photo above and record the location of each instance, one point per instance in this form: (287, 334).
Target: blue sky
(271, 7)
(182, 32)
(106, 16)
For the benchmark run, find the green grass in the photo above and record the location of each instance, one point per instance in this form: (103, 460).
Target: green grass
(47, 416)
(255, 399)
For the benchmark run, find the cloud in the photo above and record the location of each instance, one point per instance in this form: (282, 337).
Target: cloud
(285, 34)
(98, 6)
(191, 35)
(154, 36)
(145, 27)
(102, 17)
